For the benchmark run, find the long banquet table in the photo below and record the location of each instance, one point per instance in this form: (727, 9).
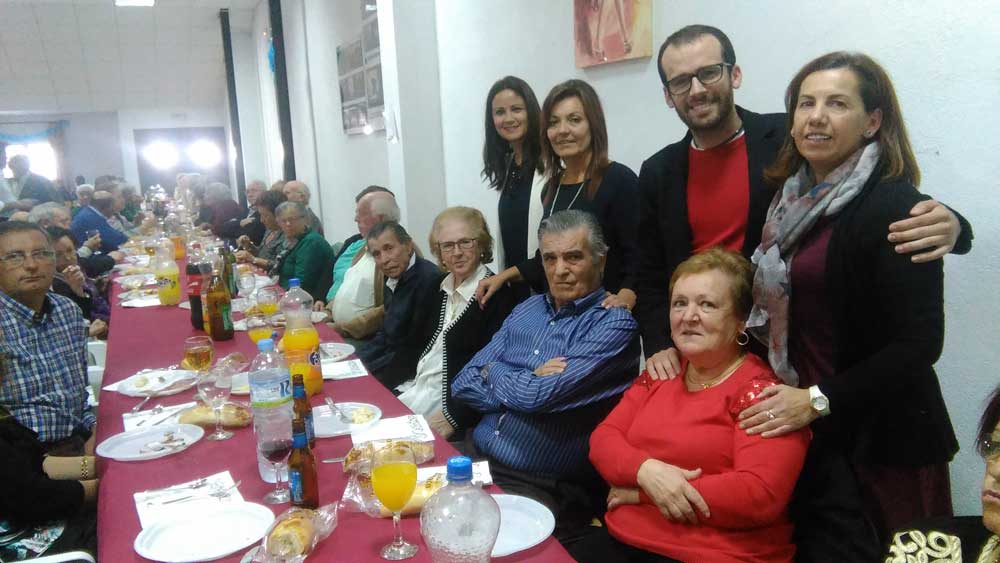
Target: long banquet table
(154, 337)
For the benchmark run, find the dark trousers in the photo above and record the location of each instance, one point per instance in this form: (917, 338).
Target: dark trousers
(828, 510)
(601, 547)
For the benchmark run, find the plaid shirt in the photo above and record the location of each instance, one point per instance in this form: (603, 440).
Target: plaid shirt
(44, 361)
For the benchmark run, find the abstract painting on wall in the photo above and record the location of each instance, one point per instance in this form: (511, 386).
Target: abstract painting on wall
(607, 31)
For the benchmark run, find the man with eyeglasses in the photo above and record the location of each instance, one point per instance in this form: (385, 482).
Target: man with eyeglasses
(43, 349)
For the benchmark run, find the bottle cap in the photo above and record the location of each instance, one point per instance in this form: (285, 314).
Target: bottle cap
(460, 468)
(294, 282)
(265, 345)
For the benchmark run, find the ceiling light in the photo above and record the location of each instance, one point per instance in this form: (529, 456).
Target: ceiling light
(145, 3)
(161, 155)
(204, 153)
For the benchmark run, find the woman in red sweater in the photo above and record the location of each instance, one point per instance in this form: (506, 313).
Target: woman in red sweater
(687, 483)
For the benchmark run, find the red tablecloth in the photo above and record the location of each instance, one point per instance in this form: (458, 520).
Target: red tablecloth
(154, 337)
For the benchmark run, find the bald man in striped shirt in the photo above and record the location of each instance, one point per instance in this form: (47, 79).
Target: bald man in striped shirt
(554, 370)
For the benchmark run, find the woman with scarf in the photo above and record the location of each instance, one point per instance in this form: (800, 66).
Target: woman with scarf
(852, 327)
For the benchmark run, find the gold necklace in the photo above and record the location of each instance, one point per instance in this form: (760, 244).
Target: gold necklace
(717, 379)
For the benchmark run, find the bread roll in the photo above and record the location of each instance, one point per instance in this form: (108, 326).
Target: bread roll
(233, 416)
(421, 493)
(292, 536)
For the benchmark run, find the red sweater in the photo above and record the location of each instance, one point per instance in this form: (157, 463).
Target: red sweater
(718, 195)
(746, 481)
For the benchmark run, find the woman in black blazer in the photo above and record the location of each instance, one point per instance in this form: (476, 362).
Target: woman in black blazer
(852, 327)
(454, 326)
(580, 176)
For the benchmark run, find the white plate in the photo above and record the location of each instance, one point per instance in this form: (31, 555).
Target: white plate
(335, 351)
(327, 424)
(132, 445)
(137, 386)
(524, 523)
(205, 536)
(136, 281)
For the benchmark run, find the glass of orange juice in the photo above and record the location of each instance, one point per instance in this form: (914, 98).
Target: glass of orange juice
(394, 476)
(258, 327)
(267, 301)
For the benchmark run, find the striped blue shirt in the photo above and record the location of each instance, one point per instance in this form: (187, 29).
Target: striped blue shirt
(542, 424)
(44, 363)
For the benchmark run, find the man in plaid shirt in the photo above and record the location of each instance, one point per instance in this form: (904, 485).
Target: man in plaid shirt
(43, 344)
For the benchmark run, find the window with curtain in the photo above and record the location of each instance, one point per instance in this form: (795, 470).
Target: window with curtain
(42, 155)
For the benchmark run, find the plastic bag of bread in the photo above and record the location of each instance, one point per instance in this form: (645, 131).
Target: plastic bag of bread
(234, 415)
(294, 534)
(358, 460)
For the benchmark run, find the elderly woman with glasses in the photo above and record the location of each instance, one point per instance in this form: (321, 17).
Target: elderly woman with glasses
(454, 326)
(306, 254)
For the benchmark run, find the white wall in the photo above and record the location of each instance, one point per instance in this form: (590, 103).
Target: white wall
(92, 142)
(163, 118)
(250, 112)
(942, 57)
(341, 165)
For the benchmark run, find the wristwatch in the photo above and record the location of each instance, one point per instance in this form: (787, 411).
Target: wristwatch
(818, 401)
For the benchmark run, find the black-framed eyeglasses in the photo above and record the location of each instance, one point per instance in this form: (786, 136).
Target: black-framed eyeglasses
(16, 259)
(463, 244)
(706, 75)
(990, 448)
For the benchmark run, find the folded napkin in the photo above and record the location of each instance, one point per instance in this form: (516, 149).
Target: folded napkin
(347, 369)
(178, 500)
(411, 427)
(148, 301)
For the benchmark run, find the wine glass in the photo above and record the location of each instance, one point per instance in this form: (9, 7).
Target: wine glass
(258, 327)
(267, 301)
(247, 282)
(198, 353)
(214, 388)
(394, 476)
(274, 441)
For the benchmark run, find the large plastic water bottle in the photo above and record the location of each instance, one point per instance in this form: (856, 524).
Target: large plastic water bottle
(271, 400)
(460, 522)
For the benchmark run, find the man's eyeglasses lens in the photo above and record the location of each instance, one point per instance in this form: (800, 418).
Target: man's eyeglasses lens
(464, 244)
(706, 75)
(16, 259)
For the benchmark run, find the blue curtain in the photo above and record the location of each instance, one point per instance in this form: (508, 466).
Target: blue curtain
(33, 137)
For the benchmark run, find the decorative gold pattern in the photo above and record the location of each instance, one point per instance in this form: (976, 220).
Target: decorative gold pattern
(914, 546)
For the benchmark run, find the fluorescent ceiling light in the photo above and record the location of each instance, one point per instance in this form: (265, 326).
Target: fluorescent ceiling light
(147, 3)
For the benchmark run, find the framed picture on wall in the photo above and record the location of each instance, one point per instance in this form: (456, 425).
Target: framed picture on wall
(359, 73)
(607, 31)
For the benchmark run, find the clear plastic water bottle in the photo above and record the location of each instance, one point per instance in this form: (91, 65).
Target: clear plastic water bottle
(296, 305)
(270, 399)
(460, 522)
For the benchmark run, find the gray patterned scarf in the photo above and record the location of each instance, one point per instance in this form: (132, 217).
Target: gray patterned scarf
(793, 212)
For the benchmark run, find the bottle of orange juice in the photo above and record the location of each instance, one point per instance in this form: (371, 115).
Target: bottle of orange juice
(300, 334)
(168, 287)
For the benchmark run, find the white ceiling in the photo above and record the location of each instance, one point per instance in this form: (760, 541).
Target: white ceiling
(89, 55)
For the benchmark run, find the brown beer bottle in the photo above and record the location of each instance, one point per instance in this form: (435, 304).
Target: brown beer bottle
(219, 309)
(302, 409)
(302, 479)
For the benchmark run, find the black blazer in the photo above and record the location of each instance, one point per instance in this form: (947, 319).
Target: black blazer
(471, 331)
(888, 315)
(664, 230)
(418, 284)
